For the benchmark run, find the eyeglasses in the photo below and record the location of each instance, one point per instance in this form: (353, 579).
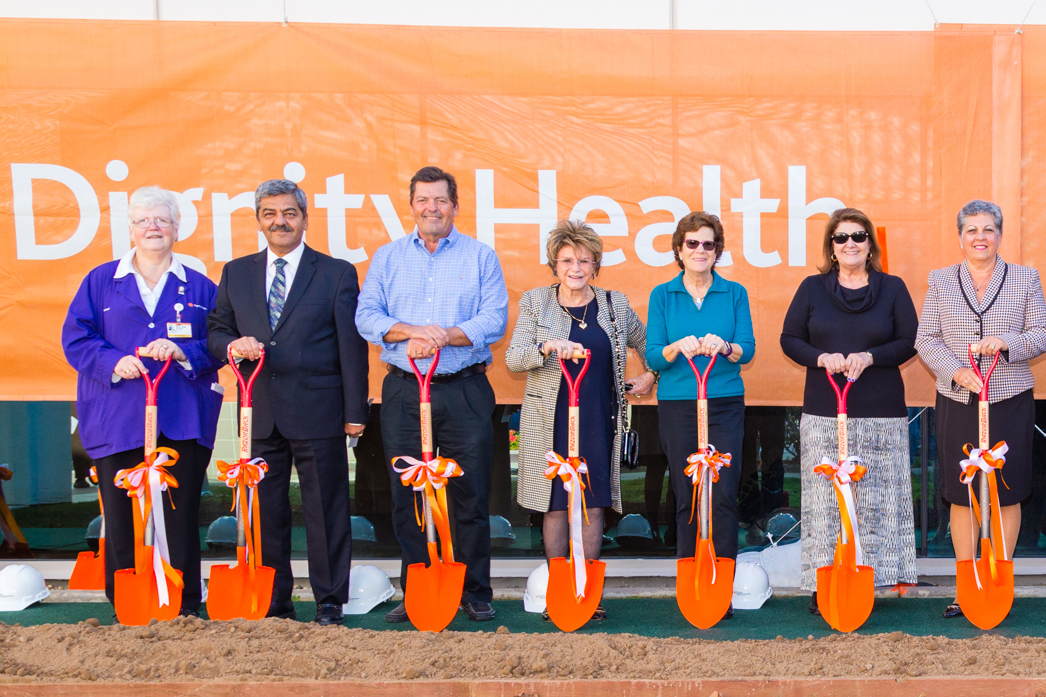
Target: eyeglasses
(709, 245)
(146, 223)
(858, 237)
(582, 263)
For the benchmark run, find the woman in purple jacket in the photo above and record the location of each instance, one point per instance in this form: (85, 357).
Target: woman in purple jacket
(147, 298)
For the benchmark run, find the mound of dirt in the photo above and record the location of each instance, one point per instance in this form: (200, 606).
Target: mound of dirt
(191, 649)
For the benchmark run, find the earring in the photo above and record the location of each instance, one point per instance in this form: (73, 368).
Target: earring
(833, 258)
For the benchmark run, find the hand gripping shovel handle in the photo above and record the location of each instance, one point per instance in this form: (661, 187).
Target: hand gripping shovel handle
(702, 438)
(982, 432)
(427, 449)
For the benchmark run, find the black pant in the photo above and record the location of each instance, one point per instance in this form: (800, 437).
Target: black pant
(182, 520)
(323, 475)
(726, 428)
(462, 431)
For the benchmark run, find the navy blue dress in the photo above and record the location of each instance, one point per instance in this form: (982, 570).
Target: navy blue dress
(598, 404)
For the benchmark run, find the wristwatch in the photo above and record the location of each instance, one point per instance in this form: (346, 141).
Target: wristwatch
(871, 358)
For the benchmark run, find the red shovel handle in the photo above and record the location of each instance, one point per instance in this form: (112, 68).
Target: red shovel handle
(702, 378)
(840, 395)
(246, 386)
(574, 385)
(424, 382)
(152, 385)
(986, 376)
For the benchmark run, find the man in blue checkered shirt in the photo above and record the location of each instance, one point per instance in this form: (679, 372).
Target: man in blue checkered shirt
(439, 289)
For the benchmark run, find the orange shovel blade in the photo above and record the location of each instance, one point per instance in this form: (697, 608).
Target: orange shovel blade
(565, 610)
(135, 599)
(703, 612)
(229, 591)
(988, 605)
(434, 594)
(854, 595)
(89, 572)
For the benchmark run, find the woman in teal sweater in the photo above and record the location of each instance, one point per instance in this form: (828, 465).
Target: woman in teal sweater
(699, 313)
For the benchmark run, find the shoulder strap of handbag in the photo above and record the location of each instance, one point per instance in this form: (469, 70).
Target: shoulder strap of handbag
(620, 374)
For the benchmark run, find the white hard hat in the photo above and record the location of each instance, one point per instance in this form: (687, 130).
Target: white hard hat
(21, 586)
(368, 587)
(751, 586)
(537, 586)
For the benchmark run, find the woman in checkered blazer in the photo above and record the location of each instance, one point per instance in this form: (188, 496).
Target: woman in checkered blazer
(554, 321)
(995, 307)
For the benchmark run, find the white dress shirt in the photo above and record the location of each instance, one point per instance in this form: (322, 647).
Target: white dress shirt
(293, 259)
(150, 296)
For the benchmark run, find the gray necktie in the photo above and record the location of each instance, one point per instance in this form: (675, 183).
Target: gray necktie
(277, 294)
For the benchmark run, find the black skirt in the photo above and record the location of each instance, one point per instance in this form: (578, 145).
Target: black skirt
(1011, 420)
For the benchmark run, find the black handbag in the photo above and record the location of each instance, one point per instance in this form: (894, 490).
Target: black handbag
(629, 436)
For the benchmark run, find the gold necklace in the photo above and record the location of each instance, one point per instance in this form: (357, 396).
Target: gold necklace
(580, 322)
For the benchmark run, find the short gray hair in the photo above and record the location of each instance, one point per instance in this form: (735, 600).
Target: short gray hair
(976, 207)
(150, 197)
(278, 187)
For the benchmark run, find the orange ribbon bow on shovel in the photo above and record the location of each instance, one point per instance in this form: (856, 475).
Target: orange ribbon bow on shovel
(243, 477)
(569, 470)
(430, 478)
(146, 482)
(986, 461)
(697, 464)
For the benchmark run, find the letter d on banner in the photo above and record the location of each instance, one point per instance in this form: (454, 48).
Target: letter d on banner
(22, 176)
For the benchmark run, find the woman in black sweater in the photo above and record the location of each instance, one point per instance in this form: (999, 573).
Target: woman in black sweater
(858, 323)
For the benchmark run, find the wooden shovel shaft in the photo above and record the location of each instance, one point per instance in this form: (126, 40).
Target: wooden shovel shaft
(982, 436)
(983, 493)
(425, 409)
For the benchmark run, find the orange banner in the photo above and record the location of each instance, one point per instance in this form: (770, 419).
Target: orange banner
(630, 130)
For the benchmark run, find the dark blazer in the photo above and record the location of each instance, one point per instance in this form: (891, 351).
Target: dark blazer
(314, 380)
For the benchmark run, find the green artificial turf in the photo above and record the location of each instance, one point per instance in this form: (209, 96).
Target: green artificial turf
(655, 617)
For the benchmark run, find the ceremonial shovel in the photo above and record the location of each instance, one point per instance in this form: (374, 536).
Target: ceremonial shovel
(573, 593)
(244, 590)
(846, 589)
(704, 582)
(984, 588)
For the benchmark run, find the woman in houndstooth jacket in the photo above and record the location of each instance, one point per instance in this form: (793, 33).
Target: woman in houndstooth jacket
(995, 307)
(554, 321)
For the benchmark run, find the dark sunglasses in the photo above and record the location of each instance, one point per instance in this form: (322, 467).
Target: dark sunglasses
(709, 245)
(842, 237)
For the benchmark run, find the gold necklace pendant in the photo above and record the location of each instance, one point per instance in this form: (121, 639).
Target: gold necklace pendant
(580, 322)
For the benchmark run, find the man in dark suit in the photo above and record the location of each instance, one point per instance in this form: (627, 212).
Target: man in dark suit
(299, 306)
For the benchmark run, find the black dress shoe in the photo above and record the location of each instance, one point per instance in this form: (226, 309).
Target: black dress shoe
(814, 608)
(600, 613)
(186, 612)
(478, 610)
(328, 614)
(397, 615)
(729, 612)
(283, 611)
(953, 610)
